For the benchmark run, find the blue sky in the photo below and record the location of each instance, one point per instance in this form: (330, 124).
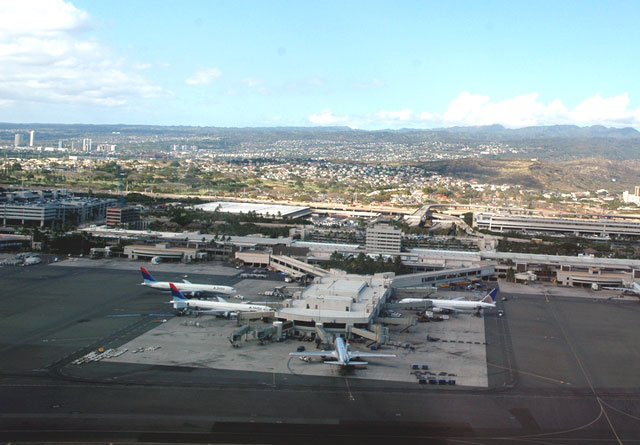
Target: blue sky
(364, 64)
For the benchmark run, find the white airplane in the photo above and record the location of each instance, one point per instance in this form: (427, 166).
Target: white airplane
(185, 286)
(488, 302)
(31, 260)
(635, 289)
(341, 355)
(220, 307)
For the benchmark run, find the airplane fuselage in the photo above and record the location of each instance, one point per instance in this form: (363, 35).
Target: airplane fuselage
(190, 287)
(341, 351)
(462, 305)
(454, 305)
(222, 306)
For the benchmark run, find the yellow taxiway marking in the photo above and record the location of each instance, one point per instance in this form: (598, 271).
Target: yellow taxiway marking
(538, 376)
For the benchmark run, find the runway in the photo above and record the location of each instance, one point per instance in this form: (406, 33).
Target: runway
(560, 371)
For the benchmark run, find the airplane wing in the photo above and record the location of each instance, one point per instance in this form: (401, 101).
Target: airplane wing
(635, 289)
(446, 308)
(210, 311)
(358, 354)
(186, 282)
(312, 354)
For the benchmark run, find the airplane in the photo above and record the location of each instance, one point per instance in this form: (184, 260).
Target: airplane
(635, 289)
(488, 302)
(31, 260)
(220, 307)
(341, 356)
(185, 286)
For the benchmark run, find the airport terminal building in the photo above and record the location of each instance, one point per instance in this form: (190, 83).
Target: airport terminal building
(338, 300)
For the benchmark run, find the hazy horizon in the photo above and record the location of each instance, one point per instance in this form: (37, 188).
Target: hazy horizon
(371, 66)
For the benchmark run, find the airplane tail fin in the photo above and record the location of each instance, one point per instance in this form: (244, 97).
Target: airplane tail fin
(147, 276)
(491, 296)
(176, 294)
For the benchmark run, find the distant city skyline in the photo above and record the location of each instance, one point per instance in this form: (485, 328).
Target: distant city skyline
(369, 65)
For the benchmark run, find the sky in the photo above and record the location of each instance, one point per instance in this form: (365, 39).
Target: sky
(363, 64)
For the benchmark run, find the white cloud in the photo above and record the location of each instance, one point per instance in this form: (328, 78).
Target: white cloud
(401, 115)
(204, 76)
(256, 84)
(252, 82)
(610, 111)
(46, 57)
(526, 110)
(326, 117)
(477, 109)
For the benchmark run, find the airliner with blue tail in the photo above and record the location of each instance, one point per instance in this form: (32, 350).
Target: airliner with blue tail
(458, 305)
(221, 307)
(341, 355)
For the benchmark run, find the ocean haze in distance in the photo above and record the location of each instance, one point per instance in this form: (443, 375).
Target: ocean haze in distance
(559, 142)
(363, 65)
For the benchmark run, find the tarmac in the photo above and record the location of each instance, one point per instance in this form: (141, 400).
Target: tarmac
(203, 342)
(560, 370)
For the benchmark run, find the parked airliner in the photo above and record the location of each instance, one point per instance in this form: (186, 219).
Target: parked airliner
(341, 356)
(220, 307)
(635, 289)
(185, 286)
(488, 302)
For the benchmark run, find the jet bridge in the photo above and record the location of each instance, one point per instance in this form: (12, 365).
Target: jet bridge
(247, 332)
(295, 268)
(249, 316)
(380, 334)
(325, 337)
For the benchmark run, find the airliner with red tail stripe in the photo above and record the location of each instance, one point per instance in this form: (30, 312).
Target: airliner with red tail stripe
(220, 307)
(185, 286)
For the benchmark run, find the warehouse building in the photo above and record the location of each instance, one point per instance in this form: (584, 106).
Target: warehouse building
(265, 210)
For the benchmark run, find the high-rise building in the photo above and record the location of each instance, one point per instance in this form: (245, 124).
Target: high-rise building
(19, 140)
(32, 135)
(628, 198)
(382, 238)
(60, 143)
(119, 216)
(86, 145)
